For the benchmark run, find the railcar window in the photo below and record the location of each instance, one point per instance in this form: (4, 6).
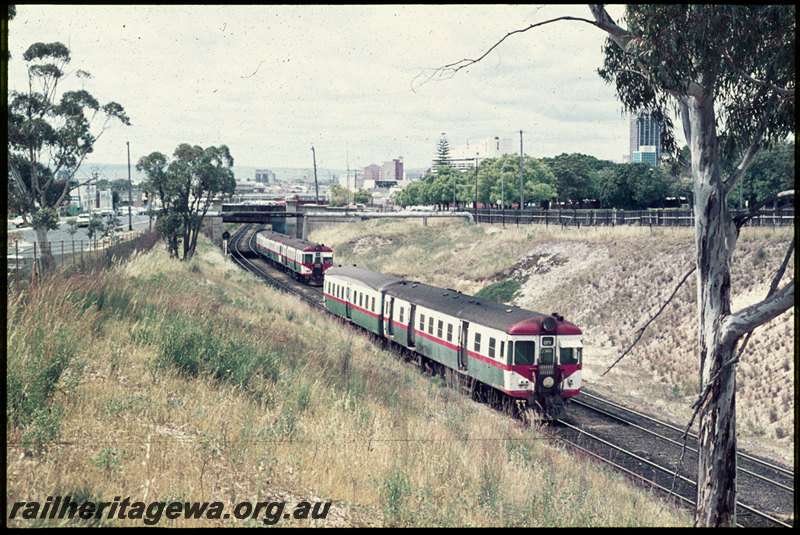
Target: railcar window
(401, 314)
(547, 341)
(525, 352)
(570, 355)
(308, 259)
(430, 325)
(361, 300)
(546, 355)
(502, 346)
(449, 332)
(373, 305)
(477, 346)
(327, 259)
(491, 347)
(439, 329)
(422, 322)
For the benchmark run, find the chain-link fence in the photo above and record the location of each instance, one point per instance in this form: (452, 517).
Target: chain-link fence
(779, 217)
(25, 261)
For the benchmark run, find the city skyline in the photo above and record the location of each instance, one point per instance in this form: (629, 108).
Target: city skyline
(273, 81)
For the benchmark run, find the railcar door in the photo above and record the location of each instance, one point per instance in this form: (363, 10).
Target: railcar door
(389, 317)
(347, 303)
(546, 380)
(463, 342)
(411, 332)
(316, 270)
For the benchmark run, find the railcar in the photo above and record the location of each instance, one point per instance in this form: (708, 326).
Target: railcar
(533, 359)
(305, 260)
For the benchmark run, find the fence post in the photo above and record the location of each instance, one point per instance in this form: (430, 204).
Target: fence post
(33, 266)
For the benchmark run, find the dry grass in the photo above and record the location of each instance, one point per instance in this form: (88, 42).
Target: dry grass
(296, 408)
(610, 281)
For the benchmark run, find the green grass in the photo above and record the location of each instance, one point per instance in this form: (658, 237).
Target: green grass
(164, 379)
(500, 292)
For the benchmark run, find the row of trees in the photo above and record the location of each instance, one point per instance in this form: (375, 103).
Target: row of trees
(341, 197)
(578, 179)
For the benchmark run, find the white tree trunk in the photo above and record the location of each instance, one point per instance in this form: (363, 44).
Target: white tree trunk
(45, 259)
(715, 239)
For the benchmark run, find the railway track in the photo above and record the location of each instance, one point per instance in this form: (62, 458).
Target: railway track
(650, 451)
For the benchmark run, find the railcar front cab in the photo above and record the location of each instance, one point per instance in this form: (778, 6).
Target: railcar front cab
(314, 262)
(546, 361)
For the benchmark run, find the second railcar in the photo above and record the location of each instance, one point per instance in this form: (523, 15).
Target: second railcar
(305, 260)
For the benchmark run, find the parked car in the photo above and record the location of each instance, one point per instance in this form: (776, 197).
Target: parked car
(17, 222)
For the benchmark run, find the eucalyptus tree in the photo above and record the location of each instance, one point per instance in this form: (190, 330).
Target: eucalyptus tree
(499, 178)
(50, 132)
(728, 73)
(187, 186)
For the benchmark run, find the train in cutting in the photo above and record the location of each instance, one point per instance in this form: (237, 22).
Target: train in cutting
(305, 260)
(533, 361)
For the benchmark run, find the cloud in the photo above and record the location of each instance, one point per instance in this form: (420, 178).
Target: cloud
(270, 81)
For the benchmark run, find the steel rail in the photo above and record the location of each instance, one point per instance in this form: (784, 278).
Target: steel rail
(677, 443)
(668, 425)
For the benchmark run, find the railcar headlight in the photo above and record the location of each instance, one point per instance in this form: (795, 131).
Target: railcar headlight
(548, 382)
(549, 323)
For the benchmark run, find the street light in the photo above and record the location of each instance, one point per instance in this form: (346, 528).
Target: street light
(502, 192)
(476, 187)
(130, 193)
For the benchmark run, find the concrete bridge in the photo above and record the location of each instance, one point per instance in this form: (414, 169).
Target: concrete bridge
(300, 220)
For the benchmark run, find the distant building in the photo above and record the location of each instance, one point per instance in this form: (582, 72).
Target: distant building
(392, 170)
(84, 197)
(265, 176)
(645, 139)
(464, 156)
(372, 172)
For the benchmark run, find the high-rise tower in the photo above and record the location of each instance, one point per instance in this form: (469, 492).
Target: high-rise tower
(645, 141)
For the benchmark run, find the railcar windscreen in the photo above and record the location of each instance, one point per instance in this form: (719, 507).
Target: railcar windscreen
(570, 355)
(525, 353)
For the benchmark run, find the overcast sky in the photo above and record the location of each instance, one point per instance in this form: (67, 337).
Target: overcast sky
(270, 82)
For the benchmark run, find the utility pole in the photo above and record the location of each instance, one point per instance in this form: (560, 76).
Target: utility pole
(476, 187)
(521, 189)
(316, 186)
(347, 177)
(130, 193)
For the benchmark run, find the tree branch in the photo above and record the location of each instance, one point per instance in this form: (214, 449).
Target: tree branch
(740, 220)
(782, 91)
(752, 150)
(640, 332)
(456, 66)
(737, 325)
(786, 293)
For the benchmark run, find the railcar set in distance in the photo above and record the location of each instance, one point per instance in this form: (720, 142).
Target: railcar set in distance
(306, 261)
(532, 360)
